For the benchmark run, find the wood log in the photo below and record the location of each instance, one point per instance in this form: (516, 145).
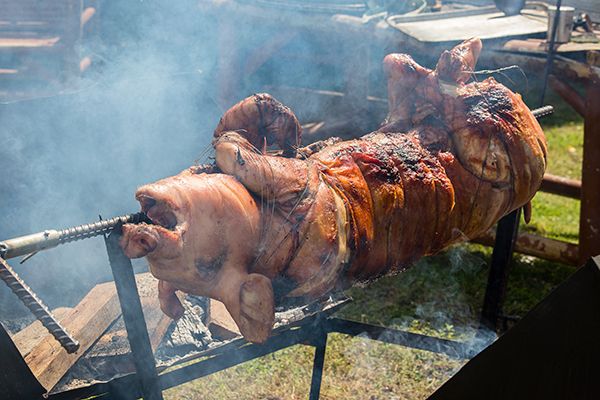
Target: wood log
(86, 322)
(27, 338)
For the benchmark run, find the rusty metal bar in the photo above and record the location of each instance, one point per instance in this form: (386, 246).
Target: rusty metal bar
(561, 186)
(50, 238)
(589, 217)
(506, 234)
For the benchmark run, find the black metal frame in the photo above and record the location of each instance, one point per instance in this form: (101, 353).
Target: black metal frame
(313, 331)
(506, 234)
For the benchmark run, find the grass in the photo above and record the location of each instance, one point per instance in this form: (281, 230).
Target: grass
(441, 295)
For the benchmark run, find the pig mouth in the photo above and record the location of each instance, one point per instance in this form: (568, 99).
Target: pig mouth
(144, 239)
(159, 212)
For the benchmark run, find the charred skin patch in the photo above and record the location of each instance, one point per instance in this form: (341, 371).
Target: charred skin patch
(486, 102)
(208, 270)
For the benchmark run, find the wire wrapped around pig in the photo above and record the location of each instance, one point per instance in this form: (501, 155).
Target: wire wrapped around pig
(450, 160)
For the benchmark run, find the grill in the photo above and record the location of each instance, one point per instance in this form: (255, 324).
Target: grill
(308, 324)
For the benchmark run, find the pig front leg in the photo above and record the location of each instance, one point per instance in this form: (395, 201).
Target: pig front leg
(169, 302)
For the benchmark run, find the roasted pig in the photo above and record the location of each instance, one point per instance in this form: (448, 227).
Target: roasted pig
(450, 159)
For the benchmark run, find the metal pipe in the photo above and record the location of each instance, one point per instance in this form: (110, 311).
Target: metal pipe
(542, 112)
(35, 305)
(48, 239)
(551, 50)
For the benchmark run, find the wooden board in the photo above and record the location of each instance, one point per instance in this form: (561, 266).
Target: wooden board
(11, 43)
(86, 322)
(220, 323)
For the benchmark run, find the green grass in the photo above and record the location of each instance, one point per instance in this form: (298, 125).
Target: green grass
(441, 295)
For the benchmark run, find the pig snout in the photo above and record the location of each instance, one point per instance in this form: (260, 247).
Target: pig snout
(138, 240)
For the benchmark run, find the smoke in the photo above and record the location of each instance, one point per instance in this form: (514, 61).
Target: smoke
(145, 111)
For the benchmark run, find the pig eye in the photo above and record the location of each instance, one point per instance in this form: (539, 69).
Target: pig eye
(208, 270)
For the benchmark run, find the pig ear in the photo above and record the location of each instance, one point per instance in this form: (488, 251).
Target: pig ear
(257, 308)
(457, 65)
(272, 178)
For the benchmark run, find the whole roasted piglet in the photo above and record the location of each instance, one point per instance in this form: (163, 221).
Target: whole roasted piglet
(450, 160)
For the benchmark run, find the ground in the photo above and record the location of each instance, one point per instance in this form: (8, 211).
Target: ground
(441, 295)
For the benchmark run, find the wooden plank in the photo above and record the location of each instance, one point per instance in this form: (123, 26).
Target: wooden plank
(27, 338)
(86, 322)
(16, 380)
(540, 46)
(114, 343)
(565, 67)
(12, 43)
(220, 323)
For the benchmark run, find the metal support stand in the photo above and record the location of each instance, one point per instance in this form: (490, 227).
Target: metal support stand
(318, 363)
(133, 316)
(506, 235)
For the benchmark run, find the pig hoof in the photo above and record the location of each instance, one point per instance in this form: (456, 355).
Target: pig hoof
(257, 312)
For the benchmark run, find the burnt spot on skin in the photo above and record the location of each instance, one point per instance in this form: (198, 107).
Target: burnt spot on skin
(208, 270)
(238, 157)
(490, 100)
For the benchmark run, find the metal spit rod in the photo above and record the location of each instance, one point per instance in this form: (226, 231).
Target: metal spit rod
(542, 111)
(48, 239)
(31, 244)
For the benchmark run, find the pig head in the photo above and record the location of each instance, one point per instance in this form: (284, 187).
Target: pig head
(203, 241)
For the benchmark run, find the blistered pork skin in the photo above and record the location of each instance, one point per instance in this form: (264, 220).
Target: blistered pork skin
(449, 161)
